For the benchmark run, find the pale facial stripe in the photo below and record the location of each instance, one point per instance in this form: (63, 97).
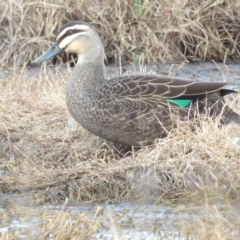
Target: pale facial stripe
(66, 41)
(75, 27)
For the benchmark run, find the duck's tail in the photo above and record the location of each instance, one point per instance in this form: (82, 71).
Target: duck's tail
(231, 117)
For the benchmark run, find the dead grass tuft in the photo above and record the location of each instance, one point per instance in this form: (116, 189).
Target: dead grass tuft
(45, 224)
(44, 153)
(166, 31)
(212, 226)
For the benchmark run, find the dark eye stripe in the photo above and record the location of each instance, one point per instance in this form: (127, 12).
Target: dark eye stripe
(69, 33)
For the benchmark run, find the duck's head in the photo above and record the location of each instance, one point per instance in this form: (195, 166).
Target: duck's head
(76, 37)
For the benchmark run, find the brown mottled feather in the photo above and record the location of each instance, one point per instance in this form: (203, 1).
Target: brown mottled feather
(132, 109)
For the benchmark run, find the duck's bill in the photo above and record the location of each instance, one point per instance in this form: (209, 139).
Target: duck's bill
(53, 51)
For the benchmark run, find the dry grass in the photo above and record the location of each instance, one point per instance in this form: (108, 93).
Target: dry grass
(47, 158)
(33, 223)
(42, 152)
(164, 31)
(217, 222)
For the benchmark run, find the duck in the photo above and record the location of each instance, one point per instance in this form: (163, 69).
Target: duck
(134, 109)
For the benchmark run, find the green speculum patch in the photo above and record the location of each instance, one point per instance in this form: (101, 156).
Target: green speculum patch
(180, 102)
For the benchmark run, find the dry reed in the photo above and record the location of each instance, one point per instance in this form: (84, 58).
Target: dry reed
(164, 31)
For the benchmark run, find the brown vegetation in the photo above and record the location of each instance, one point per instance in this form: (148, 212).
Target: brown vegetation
(42, 150)
(45, 157)
(44, 224)
(164, 31)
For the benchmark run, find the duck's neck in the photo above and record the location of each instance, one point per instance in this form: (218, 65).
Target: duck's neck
(86, 77)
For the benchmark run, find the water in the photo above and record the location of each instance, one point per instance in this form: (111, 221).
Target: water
(128, 220)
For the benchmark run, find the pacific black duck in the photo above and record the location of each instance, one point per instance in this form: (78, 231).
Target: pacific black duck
(132, 109)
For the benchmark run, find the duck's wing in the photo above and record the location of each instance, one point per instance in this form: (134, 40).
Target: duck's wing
(135, 86)
(141, 105)
(145, 92)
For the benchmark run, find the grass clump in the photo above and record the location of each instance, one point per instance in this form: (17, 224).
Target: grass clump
(44, 152)
(37, 223)
(165, 31)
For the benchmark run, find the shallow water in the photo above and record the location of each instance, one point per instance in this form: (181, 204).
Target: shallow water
(133, 220)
